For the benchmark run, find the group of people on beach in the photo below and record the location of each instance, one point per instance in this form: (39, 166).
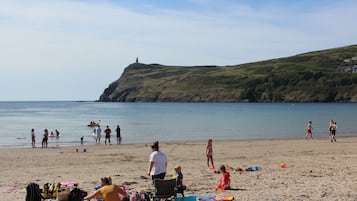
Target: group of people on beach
(97, 135)
(107, 131)
(157, 170)
(332, 127)
(56, 133)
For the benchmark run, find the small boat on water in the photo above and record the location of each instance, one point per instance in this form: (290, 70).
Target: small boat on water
(93, 124)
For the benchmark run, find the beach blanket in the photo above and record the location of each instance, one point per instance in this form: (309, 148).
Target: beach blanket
(205, 198)
(196, 198)
(187, 198)
(224, 198)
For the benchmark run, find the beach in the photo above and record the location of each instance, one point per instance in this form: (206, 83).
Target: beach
(315, 169)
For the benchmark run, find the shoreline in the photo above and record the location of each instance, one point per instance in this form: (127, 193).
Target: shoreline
(315, 169)
(175, 142)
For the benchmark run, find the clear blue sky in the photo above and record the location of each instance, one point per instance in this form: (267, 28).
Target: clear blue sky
(73, 49)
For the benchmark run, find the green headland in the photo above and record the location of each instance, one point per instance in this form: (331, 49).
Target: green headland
(320, 76)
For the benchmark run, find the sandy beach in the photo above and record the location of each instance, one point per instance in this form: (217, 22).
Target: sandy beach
(315, 169)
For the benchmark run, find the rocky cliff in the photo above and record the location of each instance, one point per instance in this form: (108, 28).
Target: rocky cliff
(319, 76)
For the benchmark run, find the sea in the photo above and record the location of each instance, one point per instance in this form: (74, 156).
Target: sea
(169, 122)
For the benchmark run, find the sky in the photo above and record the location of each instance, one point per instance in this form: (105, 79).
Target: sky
(71, 50)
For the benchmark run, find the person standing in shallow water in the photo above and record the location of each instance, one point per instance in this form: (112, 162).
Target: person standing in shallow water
(45, 138)
(107, 132)
(117, 130)
(308, 130)
(33, 138)
(333, 128)
(98, 132)
(57, 133)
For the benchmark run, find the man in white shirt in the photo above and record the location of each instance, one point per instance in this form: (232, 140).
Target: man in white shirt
(158, 163)
(99, 135)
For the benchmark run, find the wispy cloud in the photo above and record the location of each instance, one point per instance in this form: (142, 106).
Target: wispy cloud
(81, 40)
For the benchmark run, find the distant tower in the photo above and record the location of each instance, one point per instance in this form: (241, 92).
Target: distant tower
(137, 60)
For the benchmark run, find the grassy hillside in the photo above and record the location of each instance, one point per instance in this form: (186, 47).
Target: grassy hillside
(310, 77)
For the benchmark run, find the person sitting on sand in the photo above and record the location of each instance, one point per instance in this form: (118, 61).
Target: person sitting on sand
(107, 190)
(224, 181)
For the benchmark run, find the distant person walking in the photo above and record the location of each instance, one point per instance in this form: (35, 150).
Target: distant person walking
(308, 130)
(117, 130)
(330, 127)
(45, 138)
(98, 131)
(209, 152)
(333, 128)
(33, 138)
(107, 132)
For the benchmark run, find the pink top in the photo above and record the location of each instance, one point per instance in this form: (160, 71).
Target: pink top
(209, 150)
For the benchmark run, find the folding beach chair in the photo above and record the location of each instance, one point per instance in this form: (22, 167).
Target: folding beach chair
(33, 192)
(164, 189)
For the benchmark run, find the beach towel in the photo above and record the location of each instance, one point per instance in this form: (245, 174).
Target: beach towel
(224, 198)
(69, 183)
(33, 192)
(187, 198)
(205, 198)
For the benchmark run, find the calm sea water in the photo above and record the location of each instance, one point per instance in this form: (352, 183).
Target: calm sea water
(147, 122)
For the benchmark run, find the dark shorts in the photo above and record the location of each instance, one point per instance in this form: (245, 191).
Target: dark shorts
(158, 176)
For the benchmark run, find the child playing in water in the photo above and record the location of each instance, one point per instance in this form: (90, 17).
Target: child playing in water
(209, 152)
(224, 181)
